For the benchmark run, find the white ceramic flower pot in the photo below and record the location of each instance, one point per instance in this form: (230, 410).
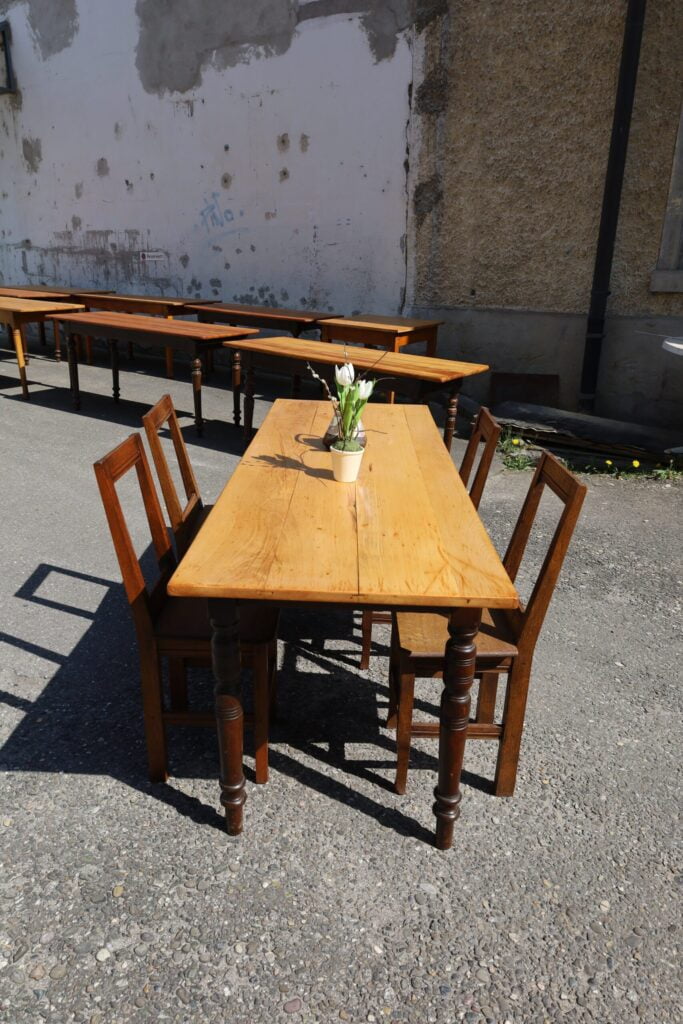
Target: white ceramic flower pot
(346, 465)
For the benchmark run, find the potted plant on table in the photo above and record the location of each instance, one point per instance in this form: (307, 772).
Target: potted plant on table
(352, 397)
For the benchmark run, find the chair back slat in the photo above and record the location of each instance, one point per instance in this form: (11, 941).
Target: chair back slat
(571, 492)
(487, 430)
(184, 520)
(108, 471)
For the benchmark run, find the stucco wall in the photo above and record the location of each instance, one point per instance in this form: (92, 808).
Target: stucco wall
(229, 139)
(509, 149)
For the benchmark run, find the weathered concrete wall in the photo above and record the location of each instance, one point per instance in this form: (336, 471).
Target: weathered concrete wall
(509, 153)
(257, 149)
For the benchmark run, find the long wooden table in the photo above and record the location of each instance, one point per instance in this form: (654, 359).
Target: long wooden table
(151, 305)
(16, 312)
(44, 293)
(392, 332)
(405, 536)
(180, 335)
(430, 374)
(269, 318)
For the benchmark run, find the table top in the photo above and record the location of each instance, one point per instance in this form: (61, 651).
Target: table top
(390, 324)
(136, 303)
(304, 316)
(40, 307)
(385, 363)
(284, 530)
(129, 323)
(33, 291)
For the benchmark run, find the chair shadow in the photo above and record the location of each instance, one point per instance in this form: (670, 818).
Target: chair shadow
(87, 719)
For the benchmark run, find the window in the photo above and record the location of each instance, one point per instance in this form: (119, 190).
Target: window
(668, 277)
(7, 80)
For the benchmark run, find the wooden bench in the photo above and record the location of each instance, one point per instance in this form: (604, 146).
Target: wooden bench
(428, 373)
(179, 335)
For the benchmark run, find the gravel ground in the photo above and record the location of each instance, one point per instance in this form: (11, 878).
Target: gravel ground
(126, 902)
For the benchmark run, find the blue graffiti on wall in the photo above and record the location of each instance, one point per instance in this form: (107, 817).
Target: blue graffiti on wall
(213, 215)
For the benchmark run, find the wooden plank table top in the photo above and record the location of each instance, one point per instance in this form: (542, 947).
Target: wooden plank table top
(284, 531)
(35, 291)
(264, 317)
(430, 372)
(110, 324)
(197, 340)
(389, 364)
(393, 332)
(154, 305)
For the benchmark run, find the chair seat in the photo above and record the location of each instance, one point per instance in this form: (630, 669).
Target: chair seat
(187, 619)
(424, 635)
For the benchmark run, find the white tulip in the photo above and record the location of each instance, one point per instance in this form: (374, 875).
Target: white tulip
(365, 389)
(344, 375)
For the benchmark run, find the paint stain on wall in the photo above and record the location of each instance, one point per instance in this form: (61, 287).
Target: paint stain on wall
(78, 189)
(75, 223)
(32, 151)
(184, 260)
(284, 174)
(226, 180)
(174, 49)
(102, 166)
(53, 23)
(303, 142)
(283, 142)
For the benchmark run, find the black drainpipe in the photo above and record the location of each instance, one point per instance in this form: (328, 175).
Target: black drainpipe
(609, 216)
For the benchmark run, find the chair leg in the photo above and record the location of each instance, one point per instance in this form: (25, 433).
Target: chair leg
(513, 726)
(261, 675)
(405, 725)
(155, 734)
(486, 700)
(177, 677)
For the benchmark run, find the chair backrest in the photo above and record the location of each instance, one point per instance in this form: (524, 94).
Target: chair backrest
(571, 492)
(184, 521)
(485, 429)
(145, 603)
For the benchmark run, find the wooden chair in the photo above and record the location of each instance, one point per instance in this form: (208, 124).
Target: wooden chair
(177, 628)
(184, 521)
(505, 644)
(487, 430)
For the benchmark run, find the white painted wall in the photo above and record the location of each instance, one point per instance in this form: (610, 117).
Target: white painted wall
(330, 235)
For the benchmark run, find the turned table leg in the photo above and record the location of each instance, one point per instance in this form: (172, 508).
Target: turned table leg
(58, 341)
(236, 387)
(249, 402)
(225, 657)
(197, 392)
(21, 362)
(451, 415)
(458, 676)
(71, 343)
(114, 360)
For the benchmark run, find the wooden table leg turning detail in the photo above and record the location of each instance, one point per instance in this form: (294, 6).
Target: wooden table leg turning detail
(458, 677)
(225, 655)
(71, 343)
(451, 415)
(197, 391)
(236, 387)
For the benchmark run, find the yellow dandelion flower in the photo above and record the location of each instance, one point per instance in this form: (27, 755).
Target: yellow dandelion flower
(608, 462)
(516, 440)
(635, 464)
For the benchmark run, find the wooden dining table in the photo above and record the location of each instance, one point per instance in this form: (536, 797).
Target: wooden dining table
(422, 375)
(284, 533)
(16, 312)
(168, 306)
(196, 340)
(45, 293)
